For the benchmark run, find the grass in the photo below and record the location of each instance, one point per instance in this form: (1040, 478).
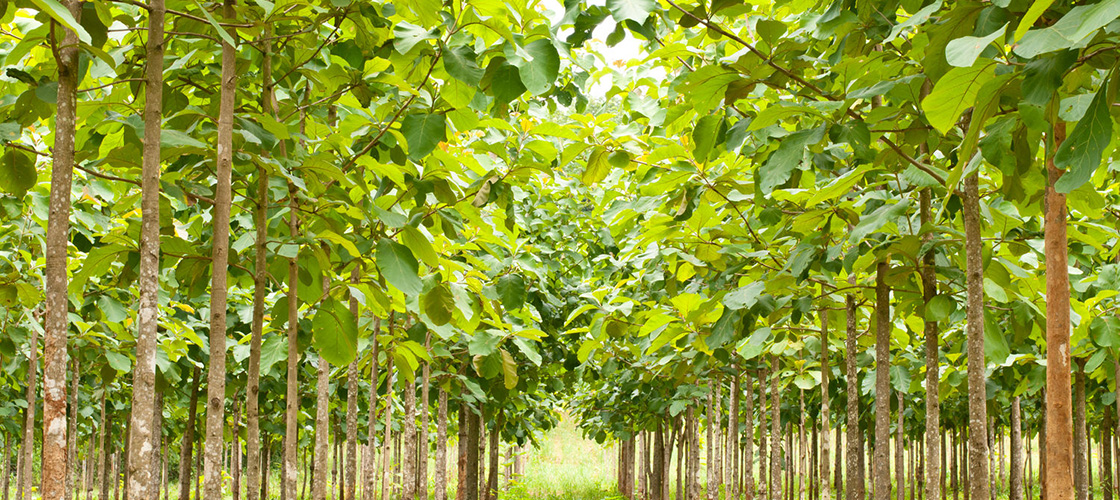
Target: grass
(567, 467)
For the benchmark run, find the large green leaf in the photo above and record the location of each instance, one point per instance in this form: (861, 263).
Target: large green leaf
(704, 137)
(538, 65)
(62, 15)
(1076, 25)
(460, 63)
(954, 93)
(506, 83)
(509, 370)
(634, 10)
(744, 297)
(335, 332)
(1083, 150)
(963, 51)
(399, 266)
(439, 304)
(423, 132)
(17, 172)
(97, 263)
(598, 166)
(788, 156)
(511, 288)
(406, 36)
(876, 220)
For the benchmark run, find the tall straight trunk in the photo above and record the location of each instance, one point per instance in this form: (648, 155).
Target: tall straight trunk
(481, 444)
(216, 369)
(732, 469)
(6, 475)
(422, 436)
(73, 469)
(775, 431)
(322, 429)
(802, 455)
(825, 446)
(1080, 451)
(291, 413)
(260, 284)
(1106, 455)
(369, 458)
(748, 445)
(852, 469)
(387, 431)
(27, 447)
(352, 374)
(408, 436)
(494, 456)
(712, 489)
(682, 438)
(441, 448)
(763, 448)
(882, 461)
(933, 378)
(469, 482)
(838, 478)
(266, 468)
(1059, 414)
(140, 462)
(461, 452)
(103, 452)
(1016, 490)
(977, 393)
(235, 459)
(643, 464)
(658, 481)
(57, 322)
(900, 452)
(692, 472)
(1030, 468)
(186, 449)
(157, 443)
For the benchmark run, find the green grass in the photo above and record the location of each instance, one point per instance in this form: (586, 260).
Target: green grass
(567, 467)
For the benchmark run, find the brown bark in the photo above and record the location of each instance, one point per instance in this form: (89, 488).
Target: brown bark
(469, 482)
(441, 448)
(157, 443)
(933, 378)
(57, 322)
(1059, 415)
(775, 431)
(216, 369)
(978, 472)
(1080, 451)
(657, 482)
(692, 469)
(322, 429)
(763, 448)
(289, 480)
(103, 452)
(186, 449)
(493, 456)
(711, 469)
(352, 374)
(838, 467)
(260, 283)
(882, 461)
(422, 437)
(802, 454)
(643, 464)
(73, 468)
(748, 445)
(900, 452)
(461, 452)
(852, 470)
(825, 446)
(369, 457)
(732, 468)
(1016, 490)
(387, 432)
(408, 437)
(1106, 456)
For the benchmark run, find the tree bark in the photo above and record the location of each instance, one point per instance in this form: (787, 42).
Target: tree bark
(1016, 490)
(72, 469)
(387, 432)
(763, 446)
(322, 428)
(825, 446)
(1059, 415)
(900, 452)
(186, 450)
(157, 443)
(1080, 451)
(711, 470)
(469, 483)
(422, 437)
(657, 484)
(103, 452)
(882, 461)
(369, 458)
(852, 470)
(933, 378)
(775, 431)
(291, 413)
(1106, 455)
(409, 445)
(979, 475)
(802, 450)
(441, 448)
(731, 475)
(748, 445)
(352, 376)
(692, 472)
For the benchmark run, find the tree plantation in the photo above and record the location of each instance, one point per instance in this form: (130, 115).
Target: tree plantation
(755, 249)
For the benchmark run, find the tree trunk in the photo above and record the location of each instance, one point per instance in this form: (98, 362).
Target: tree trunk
(977, 394)
(882, 461)
(802, 454)
(825, 446)
(409, 445)
(235, 450)
(657, 484)
(712, 488)
(775, 431)
(369, 458)
(933, 378)
(1016, 486)
(1080, 462)
(731, 477)
(441, 448)
(322, 429)
(351, 479)
(763, 448)
(1059, 424)
(103, 452)
(748, 445)
(1106, 455)
(157, 444)
(72, 469)
(900, 452)
(186, 450)
(468, 484)
(852, 469)
(425, 414)
(838, 477)
(289, 481)
(387, 432)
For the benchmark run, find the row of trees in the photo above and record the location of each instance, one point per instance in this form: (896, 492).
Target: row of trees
(429, 200)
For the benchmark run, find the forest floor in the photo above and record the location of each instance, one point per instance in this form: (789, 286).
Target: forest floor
(567, 466)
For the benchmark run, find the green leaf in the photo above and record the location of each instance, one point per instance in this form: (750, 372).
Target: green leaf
(677, 406)
(506, 83)
(335, 332)
(756, 344)
(540, 69)
(171, 138)
(119, 362)
(954, 93)
(805, 381)
(97, 263)
(634, 10)
(1037, 9)
(399, 266)
(788, 156)
(511, 289)
(777, 113)
(963, 51)
(439, 304)
(1105, 331)
(598, 166)
(62, 15)
(704, 136)
(1081, 153)
(460, 63)
(423, 132)
(744, 297)
(218, 27)
(1076, 25)
(527, 349)
(838, 187)
(939, 308)
(406, 36)
(996, 349)
(420, 246)
(875, 220)
(17, 172)
(509, 370)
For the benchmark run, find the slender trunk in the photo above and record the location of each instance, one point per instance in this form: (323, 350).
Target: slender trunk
(469, 482)
(387, 432)
(322, 421)
(763, 445)
(291, 413)
(27, 448)
(1016, 490)
(156, 444)
(1059, 415)
(825, 446)
(461, 459)
(441, 448)
(369, 458)
(1080, 462)
(187, 447)
(748, 445)
(493, 456)
(1106, 455)
(422, 437)
(900, 452)
(643, 464)
(235, 459)
(103, 452)
(712, 490)
(933, 380)
(731, 477)
(351, 480)
(657, 483)
(73, 468)
(693, 469)
(775, 431)
(682, 438)
(882, 459)
(408, 436)
(852, 469)
(977, 394)
(838, 477)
